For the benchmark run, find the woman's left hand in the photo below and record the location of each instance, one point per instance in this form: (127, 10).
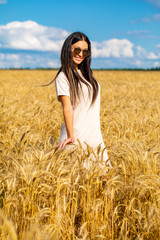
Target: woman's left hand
(66, 141)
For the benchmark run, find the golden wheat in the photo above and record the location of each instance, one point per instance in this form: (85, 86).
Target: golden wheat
(48, 194)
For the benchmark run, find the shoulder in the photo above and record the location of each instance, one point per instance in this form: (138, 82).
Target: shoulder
(62, 76)
(61, 80)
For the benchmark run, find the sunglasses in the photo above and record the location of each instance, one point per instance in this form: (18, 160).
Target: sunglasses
(85, 52)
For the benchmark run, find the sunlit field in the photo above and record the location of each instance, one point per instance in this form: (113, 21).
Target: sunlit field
(47, 194)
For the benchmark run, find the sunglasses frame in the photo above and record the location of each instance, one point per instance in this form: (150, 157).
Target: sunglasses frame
(85, 52)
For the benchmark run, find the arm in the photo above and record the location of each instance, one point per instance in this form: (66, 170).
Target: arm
(68, 118)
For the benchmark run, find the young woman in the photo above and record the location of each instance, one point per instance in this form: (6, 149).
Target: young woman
(79, 93)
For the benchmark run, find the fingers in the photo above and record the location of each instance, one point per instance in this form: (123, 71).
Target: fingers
(62, 145)
(66, 141)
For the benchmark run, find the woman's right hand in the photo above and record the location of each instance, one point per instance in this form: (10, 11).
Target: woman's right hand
(65, 142)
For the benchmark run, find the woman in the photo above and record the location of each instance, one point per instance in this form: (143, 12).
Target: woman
(79, 93)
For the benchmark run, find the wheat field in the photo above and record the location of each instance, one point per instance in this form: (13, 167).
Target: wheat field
(47, 194)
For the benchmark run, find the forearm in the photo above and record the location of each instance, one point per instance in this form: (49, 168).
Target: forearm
(68, 118)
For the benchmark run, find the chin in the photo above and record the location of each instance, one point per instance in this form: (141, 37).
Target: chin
(77, 62)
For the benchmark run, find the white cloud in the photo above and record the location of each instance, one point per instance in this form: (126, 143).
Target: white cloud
(146, 19)
(156, 3)
(141, 52)
(113, 48)
(3, 1)
(156, 64)
(29, 44)
(152, 55)
(9, 56)
(138, 34)
(23, 60)
(154, 18)
(30, 35)
(138, 63)
(9, 60)
(133, 32)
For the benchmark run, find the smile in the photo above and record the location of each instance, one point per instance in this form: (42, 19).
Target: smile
(78, 58)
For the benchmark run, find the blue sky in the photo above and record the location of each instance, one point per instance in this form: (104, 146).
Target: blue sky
(124, 34)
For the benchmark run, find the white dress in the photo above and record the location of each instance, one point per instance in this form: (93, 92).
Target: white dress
(86, 123)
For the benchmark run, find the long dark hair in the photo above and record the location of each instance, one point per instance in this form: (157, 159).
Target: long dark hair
(69, 69)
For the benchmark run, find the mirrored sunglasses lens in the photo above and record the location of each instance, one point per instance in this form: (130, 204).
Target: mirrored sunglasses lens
(85, 53)
(77, 51)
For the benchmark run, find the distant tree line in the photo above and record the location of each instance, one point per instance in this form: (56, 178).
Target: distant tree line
(95, 69)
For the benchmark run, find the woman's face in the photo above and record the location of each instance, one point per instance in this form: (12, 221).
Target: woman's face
(78, 58)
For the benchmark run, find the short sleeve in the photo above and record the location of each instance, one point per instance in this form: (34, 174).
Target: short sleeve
(62, 85)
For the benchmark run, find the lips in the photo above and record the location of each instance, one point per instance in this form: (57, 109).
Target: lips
(78, 58)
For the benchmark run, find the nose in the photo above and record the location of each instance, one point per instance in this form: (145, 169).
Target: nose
(81, 54)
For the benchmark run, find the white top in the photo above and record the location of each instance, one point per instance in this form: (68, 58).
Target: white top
(86, 123)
